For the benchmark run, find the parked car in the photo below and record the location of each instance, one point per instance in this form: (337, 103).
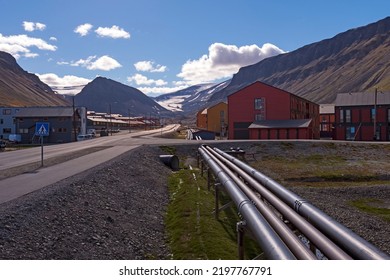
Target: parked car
(3, 144)
(82, 137)
(15, 138)
(92, 131)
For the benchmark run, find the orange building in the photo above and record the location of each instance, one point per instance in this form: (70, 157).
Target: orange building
(214, 119)
(217, 118)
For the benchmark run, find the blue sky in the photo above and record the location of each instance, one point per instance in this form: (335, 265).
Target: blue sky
(162, 46)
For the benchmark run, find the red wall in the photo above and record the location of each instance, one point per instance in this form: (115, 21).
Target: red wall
(241, 105)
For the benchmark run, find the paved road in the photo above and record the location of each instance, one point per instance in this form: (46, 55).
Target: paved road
(13, 187)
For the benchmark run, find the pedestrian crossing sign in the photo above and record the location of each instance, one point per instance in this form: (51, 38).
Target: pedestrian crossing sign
(42, 129)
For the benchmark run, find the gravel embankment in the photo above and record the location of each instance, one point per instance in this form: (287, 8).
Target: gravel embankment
(116, 211)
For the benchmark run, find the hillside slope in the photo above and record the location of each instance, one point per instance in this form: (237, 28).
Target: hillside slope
(19, 88)
(103, 94)
(355, 60)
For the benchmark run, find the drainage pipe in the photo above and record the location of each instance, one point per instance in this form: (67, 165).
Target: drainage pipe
(292, 241)
(352, 243)
(272, 245)
(323, 243)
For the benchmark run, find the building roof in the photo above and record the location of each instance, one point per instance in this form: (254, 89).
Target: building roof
(45, 112)
(302, 123)
(104, 120)
(362, 98)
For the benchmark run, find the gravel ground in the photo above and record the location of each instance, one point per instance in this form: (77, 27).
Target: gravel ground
(116, 211)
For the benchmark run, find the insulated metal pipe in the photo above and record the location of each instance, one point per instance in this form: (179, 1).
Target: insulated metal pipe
(292, 241)
(323, 243)
(270, 242)
(352, 243)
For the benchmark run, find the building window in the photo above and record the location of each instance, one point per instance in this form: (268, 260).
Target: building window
(348, 116)
(260, 107)
(6, 130)
(23, 130)
(372, 114)
(259, 117)
(6, 111)
(259, 103)
(1, 121)
(341, 116)
(388, 116)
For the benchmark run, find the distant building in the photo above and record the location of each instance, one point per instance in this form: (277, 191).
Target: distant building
(261, 111)
(214, 118)
(327, 120)
(7, 121)
(217, 118)
(65, 123)
(201, 119)
(362, 116)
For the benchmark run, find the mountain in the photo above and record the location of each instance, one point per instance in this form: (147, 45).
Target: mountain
(19, 88)
(105, 95)
(191, 99)
(352, 61)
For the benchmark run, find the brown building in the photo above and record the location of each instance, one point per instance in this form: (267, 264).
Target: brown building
(201, 119)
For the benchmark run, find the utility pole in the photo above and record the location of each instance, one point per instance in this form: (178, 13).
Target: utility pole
(74, 120)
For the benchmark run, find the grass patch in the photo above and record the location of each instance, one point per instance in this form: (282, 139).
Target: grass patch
(322, 166)
(168, 149)
(193, 231)
(373, 206)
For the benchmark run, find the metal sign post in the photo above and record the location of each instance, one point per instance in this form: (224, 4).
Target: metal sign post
(41, 129)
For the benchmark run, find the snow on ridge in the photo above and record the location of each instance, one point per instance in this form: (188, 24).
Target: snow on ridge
(174, 104)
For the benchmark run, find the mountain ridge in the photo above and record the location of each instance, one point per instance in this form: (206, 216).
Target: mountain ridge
(105, 95)
(18, 88)
(354, 60)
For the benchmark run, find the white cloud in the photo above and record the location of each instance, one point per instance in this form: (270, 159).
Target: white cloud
(223, 61)
(113, 32)
(31, 26)
(67, 84)
(149, 66)
(19, 45)
(53, 38)
(83, 29)
(104, 63)
(143, 80)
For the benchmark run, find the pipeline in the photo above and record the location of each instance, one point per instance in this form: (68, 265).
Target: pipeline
(291, 239)
(350, 242)
(324, 244)
(272, 245)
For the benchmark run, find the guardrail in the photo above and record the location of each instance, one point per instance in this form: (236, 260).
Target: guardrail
(278, 219)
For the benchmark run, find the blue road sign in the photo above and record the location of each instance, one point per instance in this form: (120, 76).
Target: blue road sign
(42, 129)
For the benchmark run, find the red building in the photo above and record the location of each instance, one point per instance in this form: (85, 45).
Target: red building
(327, 119)
(362, 116)
(261, 111)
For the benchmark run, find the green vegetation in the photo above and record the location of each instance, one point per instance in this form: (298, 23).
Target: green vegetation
(324, 164)
(168, 149)
(194, 232)
(373, 206)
